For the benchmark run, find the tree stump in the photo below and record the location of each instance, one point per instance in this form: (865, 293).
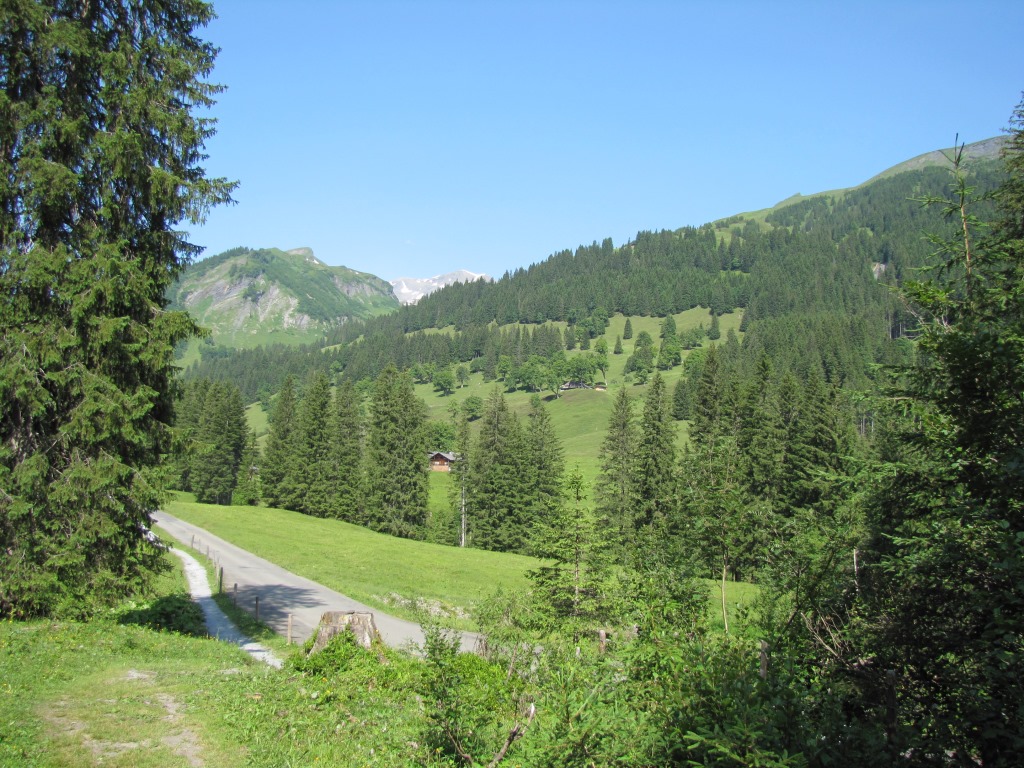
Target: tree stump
(334, 622)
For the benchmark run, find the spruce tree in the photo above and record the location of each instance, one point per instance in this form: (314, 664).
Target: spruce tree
(544, 461)
(618, 346)
(627, 331)
(615, 484)
(500, 517)
(571, 588)
(396, 457)
(247, 488)
(104, 122)
(279, 478)
(346, 451)
(315, 440)
(220, 439)
(654, 459)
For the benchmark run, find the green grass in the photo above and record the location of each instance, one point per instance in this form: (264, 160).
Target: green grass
(367, 566)
(372, 567)
(76, 694)
(580, 417)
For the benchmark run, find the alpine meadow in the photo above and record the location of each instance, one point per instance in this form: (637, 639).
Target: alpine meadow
(748, 493)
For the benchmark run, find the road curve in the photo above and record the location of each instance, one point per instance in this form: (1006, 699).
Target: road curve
(282, 592)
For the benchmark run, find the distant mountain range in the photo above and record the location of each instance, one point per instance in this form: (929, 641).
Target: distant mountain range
(409, 290)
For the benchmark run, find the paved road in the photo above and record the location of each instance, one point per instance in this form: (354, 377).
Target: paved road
(282, 592)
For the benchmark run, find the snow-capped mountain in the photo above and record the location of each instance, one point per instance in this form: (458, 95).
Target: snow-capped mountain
(409, 290)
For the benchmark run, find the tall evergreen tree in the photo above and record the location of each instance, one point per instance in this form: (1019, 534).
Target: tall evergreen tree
(316, 456)
(346, 452)
(945, 601)
(572, 587)
(247, 488)
(220, 440)
(544, 461)
(279, 478)
(101, 155)
(396, 457)
(655, 458)
(500, 514)
(627, 331)
(615, 484)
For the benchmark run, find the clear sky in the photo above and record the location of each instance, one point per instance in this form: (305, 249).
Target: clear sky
(415, 137)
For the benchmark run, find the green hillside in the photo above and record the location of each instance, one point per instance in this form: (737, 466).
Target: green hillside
(248, 298)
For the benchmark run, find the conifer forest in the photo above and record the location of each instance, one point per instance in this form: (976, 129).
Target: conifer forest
(841, 428)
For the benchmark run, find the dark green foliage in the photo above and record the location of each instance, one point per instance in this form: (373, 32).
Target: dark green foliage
(615, 485)
(101, 157)
(346, 426)
(499, 508)
(218, 444)
(947, 516)
(316, 459)
(280, 478)
(169, 613)
(627, 332)
(654, 459)
(544, 462)
(618, 346)
(571, 590)
(247, 486)
(396, 457)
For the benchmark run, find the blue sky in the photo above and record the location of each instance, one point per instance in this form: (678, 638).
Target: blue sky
(411, 138)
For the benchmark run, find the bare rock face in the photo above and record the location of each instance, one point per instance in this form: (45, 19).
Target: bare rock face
(335, 622)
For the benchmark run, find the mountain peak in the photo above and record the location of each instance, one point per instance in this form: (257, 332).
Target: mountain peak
(409, 290)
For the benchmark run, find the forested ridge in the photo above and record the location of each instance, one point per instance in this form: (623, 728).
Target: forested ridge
(821, 269)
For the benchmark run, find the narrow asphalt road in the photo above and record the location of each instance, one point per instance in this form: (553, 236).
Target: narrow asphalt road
(282, 592)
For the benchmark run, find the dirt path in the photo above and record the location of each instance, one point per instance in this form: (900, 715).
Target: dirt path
(282, 592)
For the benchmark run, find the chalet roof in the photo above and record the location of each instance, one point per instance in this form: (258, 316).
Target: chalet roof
(446, 454)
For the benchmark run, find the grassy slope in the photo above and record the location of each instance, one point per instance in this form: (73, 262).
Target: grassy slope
(580, 417)
(104, 693)
(108, 693)
(372, 567)
(368, 566)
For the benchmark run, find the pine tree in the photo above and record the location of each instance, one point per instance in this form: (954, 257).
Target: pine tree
(714, 333)
(396, 457)
(500, 516)
(627, 331)
(346, 429)
(761, 436)
(682, 400)
(655, 457)
(247, 489)
(220, 439)
(618, 346)
(102, 136)
(315, 440)
(615, 484)
(279, 480)
(571, 590)
(544, 461)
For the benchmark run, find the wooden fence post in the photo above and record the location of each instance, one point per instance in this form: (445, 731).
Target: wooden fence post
(234, 597)
(289, 629)
(220, 582)
(257, 607)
